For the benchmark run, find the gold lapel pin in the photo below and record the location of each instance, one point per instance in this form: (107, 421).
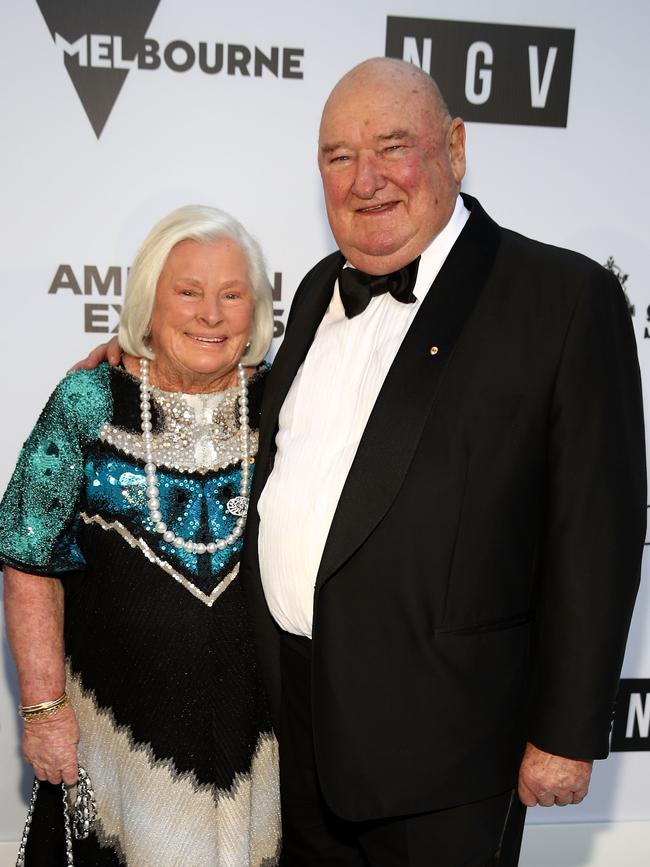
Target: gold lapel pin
(433, 350)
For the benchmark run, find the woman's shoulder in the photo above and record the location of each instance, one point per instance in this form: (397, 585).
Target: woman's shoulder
(261, 370)
(256, 391)
(258, 375)
(85, 381)
(82, 398)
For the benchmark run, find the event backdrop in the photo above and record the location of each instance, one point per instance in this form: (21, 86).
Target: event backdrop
(116, 112)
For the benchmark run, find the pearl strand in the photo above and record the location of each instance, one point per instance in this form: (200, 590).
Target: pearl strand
(153, 491)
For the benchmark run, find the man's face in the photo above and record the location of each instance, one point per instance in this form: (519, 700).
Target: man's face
(390, 171)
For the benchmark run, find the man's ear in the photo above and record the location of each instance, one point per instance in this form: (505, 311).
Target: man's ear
(456, 145)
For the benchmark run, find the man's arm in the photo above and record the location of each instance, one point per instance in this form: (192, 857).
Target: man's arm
(591, 545)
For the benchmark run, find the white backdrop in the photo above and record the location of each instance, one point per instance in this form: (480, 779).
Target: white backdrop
(75, 205)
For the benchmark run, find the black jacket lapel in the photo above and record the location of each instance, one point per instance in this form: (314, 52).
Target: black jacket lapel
(398, 417)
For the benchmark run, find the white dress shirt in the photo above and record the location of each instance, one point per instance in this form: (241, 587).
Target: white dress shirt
(321, 423)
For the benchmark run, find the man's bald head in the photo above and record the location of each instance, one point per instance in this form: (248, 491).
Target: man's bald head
(391, 159)
(394, 73)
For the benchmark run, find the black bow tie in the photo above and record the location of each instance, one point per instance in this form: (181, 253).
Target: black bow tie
(356, 288)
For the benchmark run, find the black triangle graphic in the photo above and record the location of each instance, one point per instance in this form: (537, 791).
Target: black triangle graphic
(98, 87)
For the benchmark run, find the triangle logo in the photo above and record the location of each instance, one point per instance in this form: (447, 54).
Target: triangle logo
(99, 40)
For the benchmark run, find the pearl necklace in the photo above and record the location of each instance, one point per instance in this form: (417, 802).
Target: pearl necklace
(237, 506)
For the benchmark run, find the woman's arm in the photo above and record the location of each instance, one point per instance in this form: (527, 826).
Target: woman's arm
(34, 618)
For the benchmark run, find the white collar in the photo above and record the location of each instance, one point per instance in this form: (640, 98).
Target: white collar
(433, 258)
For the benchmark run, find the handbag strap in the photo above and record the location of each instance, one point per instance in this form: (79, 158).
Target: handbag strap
(83, 815)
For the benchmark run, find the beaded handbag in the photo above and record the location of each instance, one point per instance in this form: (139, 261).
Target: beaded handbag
(84, 814)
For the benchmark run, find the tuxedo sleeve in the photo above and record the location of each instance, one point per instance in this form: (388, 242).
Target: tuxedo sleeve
(590, 553)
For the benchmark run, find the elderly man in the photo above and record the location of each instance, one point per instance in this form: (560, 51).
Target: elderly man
(448, 509)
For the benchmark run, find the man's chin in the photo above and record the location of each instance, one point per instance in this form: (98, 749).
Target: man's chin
(380, 259)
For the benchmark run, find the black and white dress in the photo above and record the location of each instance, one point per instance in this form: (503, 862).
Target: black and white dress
(175, 732)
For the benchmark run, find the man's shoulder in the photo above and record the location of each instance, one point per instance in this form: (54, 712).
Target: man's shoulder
(323, 272)
(515, 247)
(327, 267)
(544, 260)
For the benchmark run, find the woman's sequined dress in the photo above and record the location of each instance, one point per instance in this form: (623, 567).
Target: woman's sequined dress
(175, 732)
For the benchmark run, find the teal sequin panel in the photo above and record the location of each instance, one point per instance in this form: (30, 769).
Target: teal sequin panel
(193, 507)
(38, 511)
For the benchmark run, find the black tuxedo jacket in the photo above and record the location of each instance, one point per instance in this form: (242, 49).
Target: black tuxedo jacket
(478, 579)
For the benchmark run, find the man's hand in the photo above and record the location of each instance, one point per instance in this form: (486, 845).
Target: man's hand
(546, 779)
(111, 352)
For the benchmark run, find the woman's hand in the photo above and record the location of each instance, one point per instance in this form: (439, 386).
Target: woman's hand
(50, 747)
(34, 618)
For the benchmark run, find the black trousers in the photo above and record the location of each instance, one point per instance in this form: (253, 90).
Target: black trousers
(484, 833)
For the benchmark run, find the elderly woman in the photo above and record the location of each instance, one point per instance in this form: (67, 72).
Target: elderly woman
(120, 535)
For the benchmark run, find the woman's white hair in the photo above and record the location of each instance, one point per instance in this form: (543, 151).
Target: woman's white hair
(205, 225)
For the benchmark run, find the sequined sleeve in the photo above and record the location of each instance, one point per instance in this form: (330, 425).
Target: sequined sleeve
(39, 511)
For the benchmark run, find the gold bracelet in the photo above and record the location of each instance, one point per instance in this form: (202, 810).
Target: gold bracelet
(43, 710)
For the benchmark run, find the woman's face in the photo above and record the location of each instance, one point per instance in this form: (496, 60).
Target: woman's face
(201, 317)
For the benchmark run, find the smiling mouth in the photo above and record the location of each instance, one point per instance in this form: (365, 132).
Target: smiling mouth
(377, 209)
(206, 340)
